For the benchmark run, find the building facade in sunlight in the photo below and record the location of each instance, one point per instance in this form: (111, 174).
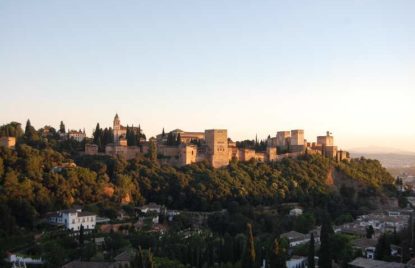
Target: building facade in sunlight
(180, 148)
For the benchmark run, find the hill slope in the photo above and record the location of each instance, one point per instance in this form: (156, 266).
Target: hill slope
(30, 185)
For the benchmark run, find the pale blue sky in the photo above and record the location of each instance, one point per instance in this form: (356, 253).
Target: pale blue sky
(248, 66)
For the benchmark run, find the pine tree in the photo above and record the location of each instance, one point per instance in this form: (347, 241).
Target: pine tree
(325, 256)
(249, 257)
(311, 252)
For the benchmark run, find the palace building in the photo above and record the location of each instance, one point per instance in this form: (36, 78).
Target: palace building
(180, 148)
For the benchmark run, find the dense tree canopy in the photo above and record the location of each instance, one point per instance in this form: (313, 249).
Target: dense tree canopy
(39, 176)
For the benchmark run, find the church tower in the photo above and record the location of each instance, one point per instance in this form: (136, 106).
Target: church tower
(116, 129)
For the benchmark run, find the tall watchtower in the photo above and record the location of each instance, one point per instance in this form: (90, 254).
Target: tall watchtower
(217, 143)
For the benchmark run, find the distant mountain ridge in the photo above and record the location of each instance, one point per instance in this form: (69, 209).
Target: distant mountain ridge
(380, 150)
(389, 157)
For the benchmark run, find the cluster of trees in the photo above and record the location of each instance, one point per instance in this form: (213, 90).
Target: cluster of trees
(134, 135)
(371, 172)
(30, 182)
(43, 138)
(403, 242)
(35, 179)
(172, 139)
(207, 249)
(102, 137)
(256, 145)
(12, 129)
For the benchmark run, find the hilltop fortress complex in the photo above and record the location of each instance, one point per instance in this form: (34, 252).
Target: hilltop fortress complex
(181, 148)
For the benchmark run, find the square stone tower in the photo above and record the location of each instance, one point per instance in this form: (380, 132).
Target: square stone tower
(327, 140)
(282, 137)
(297, 142)
(217, 147)
(297, 137)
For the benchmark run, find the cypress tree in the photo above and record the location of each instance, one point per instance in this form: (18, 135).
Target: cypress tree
(382, 248)
(28, 127)
(311, 252)
(62, 128)
(249, 257)
(128, 135)
(99, 144)
(170, 139)
(138, 261)
(81, 235)
(277, 259)
(228, 248)
(152, 151)
(325, 256)
(150, 261)
(30, 132)
(135, 140)
(97, 134)
(110, 135)
(178, 139)
(369, 231)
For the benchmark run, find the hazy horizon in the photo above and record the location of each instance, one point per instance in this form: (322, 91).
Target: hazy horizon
(252, 68)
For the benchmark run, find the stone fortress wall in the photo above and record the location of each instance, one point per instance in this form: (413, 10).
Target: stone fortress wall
(215, 147)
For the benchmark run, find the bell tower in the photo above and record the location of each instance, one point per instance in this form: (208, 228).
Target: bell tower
(116, 129)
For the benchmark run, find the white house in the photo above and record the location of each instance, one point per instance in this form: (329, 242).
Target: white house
(296, 238)
(150, 208)
(296, 262)
(171, 214)
(79, 136)
(72, 219)
(366, 246)
(296, 212)
(21, 261)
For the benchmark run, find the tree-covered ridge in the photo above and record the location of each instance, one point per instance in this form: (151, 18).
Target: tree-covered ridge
(37, 180)
(45, 173)
(368, 171)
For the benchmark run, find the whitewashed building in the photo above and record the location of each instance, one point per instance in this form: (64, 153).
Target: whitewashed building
(72, 219)
(295, 238)
(296, 212)
(296, 262)
(79, 136)
(151, 208)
